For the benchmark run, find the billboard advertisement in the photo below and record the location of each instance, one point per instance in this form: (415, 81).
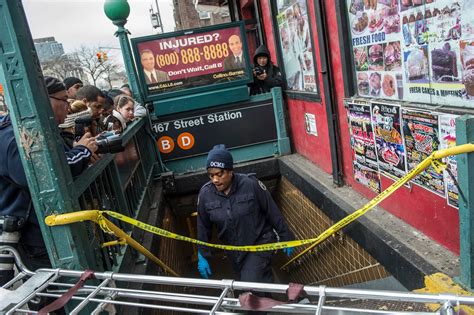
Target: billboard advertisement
(188, 60)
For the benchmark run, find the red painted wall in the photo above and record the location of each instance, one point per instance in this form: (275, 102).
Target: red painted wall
(316, 149)
(424, 210)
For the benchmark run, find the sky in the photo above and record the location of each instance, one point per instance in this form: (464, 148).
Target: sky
(83, 22)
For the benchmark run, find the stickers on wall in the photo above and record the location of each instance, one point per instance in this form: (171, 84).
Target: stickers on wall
(367, 177)
(421, 135)
(388, 138)
(447, 125)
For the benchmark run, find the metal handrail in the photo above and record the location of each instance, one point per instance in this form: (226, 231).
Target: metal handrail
(107, 293)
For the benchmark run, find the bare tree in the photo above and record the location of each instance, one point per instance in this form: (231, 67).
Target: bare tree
(107, 69)
(111, 71)
(90, 63)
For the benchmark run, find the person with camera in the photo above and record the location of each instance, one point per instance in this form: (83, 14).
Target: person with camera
(18, 221)
(265, 74)
(93, 97)
(122, 114)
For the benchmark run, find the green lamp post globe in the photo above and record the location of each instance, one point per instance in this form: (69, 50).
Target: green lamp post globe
(117, 11)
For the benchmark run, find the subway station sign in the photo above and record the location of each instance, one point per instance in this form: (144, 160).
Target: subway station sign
(195, 133)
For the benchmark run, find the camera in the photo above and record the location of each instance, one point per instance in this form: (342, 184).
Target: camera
(80, 125)
(109, 143)
(259, 70)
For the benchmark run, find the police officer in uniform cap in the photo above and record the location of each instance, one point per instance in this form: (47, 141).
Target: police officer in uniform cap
(244, 213)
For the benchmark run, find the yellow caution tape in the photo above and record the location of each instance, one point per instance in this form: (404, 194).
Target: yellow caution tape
(164, 233)
(108, 227)
(430, 160)
(97, 215)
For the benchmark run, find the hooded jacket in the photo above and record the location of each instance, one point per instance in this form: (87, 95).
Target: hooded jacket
(273, 78)
(113, 121)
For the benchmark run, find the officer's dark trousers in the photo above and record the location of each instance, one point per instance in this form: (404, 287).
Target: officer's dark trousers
(255, 267)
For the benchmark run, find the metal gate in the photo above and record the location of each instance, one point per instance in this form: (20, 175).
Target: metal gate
(109, 292)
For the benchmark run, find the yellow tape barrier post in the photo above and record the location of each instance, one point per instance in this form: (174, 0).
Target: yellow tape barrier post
(437, 155)
(107, 226)
(97, 217)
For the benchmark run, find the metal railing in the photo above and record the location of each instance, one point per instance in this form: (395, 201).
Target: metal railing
(120, 182)
(108, 293)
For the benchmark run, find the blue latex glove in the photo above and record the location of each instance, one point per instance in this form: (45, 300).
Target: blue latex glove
(288, 251)
(203, 266)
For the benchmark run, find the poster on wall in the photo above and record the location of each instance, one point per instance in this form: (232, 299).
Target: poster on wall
(432, 35)
(363, 142)
(367, 177)
(447, 137)
(375, 28)
(421, 135)
(363, 146)
(296, 46)
(388, 138)
(414, 50)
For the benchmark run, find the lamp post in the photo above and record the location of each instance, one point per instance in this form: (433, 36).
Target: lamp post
(117, 11)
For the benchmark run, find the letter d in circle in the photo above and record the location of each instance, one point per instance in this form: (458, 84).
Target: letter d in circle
(185, 141)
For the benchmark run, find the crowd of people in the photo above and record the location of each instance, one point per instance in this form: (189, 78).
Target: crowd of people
(83, 114)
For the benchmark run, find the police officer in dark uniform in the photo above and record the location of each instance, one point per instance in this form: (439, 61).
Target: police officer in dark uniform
(244, 213)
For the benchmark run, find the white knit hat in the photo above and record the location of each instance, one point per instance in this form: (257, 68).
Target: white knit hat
(71, 118)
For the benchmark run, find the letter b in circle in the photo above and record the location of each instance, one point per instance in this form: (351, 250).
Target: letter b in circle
(165, 144)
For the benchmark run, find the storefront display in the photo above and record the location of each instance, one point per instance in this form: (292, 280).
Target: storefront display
(417, 51)
(296, 45)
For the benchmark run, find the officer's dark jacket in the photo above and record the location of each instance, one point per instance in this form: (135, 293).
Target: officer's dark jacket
(246, 216)
(15, 199)
(12, 197)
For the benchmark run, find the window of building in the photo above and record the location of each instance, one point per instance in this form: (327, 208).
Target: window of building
(413, 50)
(296, 46)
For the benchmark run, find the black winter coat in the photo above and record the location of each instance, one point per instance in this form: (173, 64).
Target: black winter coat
(246, 216)
(273, 78)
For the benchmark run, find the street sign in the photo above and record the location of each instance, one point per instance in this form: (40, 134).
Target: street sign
(195, 133)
